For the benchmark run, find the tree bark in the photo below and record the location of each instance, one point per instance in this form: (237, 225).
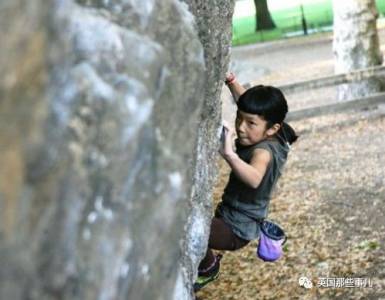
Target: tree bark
(262, 15)
(356, 44)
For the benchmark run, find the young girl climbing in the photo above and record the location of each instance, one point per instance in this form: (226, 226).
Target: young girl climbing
(262, 146)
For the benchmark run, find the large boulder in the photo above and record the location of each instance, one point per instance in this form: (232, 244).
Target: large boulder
(109, 119)
(214, 28)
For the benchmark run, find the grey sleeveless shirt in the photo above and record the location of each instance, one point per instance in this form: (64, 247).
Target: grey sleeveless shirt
(242, 206)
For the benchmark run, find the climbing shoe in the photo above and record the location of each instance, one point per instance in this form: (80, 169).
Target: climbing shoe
(203, 280)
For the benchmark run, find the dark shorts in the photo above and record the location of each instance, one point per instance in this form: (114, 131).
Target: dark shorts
(223, 238)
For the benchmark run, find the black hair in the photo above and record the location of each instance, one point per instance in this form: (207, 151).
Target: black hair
(269, 103)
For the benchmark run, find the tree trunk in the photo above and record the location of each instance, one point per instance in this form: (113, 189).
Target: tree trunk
(262, 15)
(356, 44)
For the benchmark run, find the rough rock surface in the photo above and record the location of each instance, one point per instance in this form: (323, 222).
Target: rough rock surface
(356, 44)
(109, 116)
(214, 28)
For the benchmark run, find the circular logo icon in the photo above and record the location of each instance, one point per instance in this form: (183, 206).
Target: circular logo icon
(305, 282)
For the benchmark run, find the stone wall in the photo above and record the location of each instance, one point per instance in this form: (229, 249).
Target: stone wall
(109, 120)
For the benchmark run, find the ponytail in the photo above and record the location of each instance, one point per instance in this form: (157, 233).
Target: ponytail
(287, 133)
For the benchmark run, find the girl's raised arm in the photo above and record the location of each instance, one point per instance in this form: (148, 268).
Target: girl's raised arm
(235, 87)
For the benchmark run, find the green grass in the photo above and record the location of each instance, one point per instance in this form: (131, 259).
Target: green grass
(318, 16)
(381, 7)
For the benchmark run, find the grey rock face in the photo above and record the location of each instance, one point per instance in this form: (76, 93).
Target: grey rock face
(356, 44)
(109, 119)
(214, 28)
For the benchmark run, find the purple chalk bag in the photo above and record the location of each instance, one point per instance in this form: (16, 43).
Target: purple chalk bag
(272, 238)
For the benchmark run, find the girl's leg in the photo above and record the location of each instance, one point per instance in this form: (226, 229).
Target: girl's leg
(221, 238)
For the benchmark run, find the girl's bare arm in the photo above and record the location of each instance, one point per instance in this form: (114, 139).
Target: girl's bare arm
(235, 87)
(251, 174)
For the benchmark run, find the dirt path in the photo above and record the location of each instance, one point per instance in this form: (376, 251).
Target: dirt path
(275, 63)
(292, 60)
(331, 202)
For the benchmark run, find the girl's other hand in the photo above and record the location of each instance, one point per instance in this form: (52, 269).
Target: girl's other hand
(230, 77)
(226, 149)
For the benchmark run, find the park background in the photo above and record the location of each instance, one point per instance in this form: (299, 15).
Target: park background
(330, 199)
(287, 16)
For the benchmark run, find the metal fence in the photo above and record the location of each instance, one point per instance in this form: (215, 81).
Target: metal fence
(287, 26)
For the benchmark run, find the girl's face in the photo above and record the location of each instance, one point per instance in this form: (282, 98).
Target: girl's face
(252, 128)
